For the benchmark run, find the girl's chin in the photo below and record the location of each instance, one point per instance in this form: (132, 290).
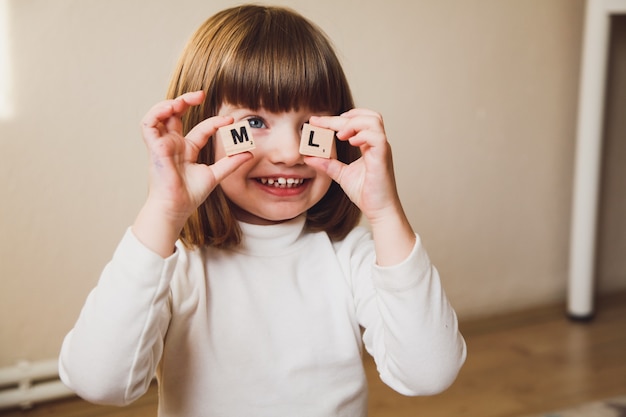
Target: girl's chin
(265, 219)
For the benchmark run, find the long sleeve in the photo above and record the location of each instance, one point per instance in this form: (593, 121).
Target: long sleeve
(111, 354)
(411, 329)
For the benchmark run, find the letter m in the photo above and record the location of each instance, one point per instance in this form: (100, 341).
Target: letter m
(240, 136)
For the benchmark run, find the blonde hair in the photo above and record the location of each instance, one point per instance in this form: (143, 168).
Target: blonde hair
(269, 57)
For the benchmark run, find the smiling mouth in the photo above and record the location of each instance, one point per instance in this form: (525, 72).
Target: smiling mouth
(281, 182)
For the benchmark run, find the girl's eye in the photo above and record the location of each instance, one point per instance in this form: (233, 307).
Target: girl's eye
(256, 122)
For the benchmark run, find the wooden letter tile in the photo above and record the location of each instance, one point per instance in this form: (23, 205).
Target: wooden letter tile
(316, 141)
(237, 138)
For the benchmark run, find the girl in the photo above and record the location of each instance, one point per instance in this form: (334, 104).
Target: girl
(244, 283)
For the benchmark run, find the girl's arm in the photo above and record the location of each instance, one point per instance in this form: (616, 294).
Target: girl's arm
(410, 327)
(111, 354)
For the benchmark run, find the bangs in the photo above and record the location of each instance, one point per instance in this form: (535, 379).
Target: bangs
(280, 63)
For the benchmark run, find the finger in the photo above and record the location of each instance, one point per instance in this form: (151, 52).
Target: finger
(201, 132)
(350, 124)
(155, 122)
(362, 112)
(227, 165)
(182, 103)
(361, 123)
(331, 167)
(173, 107)
(152, 124)
(366, 138)
(335, 123)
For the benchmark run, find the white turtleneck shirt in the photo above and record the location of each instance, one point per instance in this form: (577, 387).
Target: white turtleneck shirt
(273, 328)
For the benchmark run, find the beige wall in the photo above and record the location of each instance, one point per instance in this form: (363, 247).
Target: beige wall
(479, 99)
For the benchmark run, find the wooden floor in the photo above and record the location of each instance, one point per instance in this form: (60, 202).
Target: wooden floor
(523, 363)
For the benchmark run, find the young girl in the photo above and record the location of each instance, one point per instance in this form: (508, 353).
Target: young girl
(244, 283)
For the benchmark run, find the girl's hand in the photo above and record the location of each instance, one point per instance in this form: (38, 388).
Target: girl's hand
(178, 183)
(369, 181)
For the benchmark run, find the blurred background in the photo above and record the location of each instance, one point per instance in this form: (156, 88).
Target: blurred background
(479, 99)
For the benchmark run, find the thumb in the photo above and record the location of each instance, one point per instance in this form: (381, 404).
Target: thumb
(331, 167)
(225, 166)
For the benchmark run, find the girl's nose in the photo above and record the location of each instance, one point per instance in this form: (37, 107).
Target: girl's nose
(285, 147)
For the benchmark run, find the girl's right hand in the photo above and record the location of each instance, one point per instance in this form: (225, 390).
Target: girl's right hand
(178, 183)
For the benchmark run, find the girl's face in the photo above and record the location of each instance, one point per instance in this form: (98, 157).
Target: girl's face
(276, 185)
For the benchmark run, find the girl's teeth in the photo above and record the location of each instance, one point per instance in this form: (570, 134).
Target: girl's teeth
(281, 182)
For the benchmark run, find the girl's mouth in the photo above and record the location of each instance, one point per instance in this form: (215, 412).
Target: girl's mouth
(281, 182)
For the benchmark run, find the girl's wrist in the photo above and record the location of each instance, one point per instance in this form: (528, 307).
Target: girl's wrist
(157, 228)
(394, 237)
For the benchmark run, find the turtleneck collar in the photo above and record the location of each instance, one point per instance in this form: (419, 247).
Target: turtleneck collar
(273, 239)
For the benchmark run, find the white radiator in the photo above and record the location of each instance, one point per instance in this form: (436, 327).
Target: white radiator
(28, 383)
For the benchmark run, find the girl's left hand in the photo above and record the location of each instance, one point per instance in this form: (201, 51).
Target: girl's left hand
(369, 181)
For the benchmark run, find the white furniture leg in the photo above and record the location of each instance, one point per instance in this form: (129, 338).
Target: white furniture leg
(588, 155)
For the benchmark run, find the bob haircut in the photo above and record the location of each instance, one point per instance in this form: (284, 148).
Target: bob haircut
(262, 57)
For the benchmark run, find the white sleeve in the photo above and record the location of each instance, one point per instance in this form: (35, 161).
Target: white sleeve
(410, 328)
(111, 354)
